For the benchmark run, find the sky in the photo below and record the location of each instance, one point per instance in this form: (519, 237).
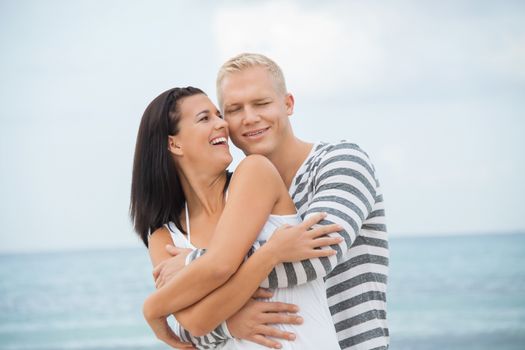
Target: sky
(432, 90)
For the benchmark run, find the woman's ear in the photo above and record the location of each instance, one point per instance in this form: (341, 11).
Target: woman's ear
(173, 146)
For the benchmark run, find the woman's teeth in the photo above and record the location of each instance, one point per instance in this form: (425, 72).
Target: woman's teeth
(218, 140)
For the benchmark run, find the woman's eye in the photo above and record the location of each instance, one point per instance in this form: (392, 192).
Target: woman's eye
(205, 118)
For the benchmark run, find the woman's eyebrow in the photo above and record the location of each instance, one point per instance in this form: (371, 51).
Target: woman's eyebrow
(206, 111)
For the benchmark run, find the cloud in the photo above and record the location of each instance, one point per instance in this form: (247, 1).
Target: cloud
(314, 46)
(355, 49)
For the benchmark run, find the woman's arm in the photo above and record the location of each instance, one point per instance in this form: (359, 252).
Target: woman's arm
(158, 254)
(202, 317)
(254, 190)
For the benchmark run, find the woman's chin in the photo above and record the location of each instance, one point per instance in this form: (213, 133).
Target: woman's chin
(220, 163)
(228, 160)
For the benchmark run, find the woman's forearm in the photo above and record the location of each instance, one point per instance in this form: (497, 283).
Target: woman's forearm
(190, 285)
(231, 240)
(204, 316)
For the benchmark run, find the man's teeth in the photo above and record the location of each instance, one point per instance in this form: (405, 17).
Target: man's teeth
(256, 132)
(218, 140)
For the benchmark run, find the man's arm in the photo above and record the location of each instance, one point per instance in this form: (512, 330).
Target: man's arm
(345, 188)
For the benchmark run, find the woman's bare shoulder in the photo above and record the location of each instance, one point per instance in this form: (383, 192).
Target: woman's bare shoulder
(257, 165)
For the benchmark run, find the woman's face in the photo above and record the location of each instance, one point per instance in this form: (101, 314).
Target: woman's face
(203, 136)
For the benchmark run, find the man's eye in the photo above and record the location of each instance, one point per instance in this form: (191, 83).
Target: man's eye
(205, 118)
(233, 110)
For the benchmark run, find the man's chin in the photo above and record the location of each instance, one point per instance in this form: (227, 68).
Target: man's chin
(254, 148)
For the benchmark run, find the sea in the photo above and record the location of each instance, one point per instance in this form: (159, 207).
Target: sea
(444, 293)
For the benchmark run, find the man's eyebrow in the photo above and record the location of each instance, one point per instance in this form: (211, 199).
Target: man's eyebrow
(232, 105)
(261, 99)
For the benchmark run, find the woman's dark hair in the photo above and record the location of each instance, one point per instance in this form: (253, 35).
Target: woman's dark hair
(156, 192)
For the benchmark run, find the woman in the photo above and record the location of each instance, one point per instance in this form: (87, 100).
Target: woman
(179, 191)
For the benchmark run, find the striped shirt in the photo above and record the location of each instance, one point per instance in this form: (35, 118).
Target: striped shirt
(339, 179)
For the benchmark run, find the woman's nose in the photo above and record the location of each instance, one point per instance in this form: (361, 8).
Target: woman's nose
(221, 123)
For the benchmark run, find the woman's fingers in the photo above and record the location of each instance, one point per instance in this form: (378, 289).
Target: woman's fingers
(326, 241)
(324, 230)
(319, 253)
(158, 269)
(312, 220)
(262, 293)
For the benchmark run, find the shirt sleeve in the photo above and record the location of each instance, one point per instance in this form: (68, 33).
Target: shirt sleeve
(209, 341)
(345, 187)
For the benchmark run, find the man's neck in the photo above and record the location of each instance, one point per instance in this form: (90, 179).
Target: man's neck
(289, 158)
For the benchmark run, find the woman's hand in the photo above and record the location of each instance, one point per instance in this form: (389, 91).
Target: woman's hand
(301, 242)
(163, 332)
(168, 268)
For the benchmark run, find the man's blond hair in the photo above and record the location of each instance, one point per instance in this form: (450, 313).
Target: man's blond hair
(248, 60)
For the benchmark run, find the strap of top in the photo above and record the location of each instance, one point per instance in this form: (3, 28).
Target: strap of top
(187, 212)
(187, 221)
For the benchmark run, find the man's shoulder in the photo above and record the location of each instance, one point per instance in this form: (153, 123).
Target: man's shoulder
(328, 157)
(327, 150)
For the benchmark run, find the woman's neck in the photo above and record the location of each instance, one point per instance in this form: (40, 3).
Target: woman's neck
(204, 193)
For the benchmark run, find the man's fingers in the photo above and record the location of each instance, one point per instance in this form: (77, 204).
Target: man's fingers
(278, 307)
(262, 294)
(177, 344)
(312, 220)
(270, 331)
(172, 340)
(281, 318)
(262, 340)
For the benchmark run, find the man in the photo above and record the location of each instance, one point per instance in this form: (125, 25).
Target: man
(338, 179)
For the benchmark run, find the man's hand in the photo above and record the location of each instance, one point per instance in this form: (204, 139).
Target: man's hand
(253, 322)
(164, 271)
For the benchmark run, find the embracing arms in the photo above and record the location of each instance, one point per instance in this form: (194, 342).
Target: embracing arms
(247, 198)
(345, 188)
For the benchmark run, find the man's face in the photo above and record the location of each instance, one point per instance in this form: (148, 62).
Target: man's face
(257, 113)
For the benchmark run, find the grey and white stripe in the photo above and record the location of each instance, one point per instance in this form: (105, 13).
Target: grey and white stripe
(339, 179)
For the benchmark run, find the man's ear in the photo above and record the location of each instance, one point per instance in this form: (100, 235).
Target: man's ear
(289, 102)
(174, 146)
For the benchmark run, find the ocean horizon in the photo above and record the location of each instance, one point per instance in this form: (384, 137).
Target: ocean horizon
(444, 292)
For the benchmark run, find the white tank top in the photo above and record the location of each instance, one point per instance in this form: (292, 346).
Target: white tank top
(317, 330)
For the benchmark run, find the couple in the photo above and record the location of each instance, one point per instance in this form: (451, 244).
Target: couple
(334, 274)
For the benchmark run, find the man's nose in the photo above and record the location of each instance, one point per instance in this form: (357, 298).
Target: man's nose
(251, 116)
